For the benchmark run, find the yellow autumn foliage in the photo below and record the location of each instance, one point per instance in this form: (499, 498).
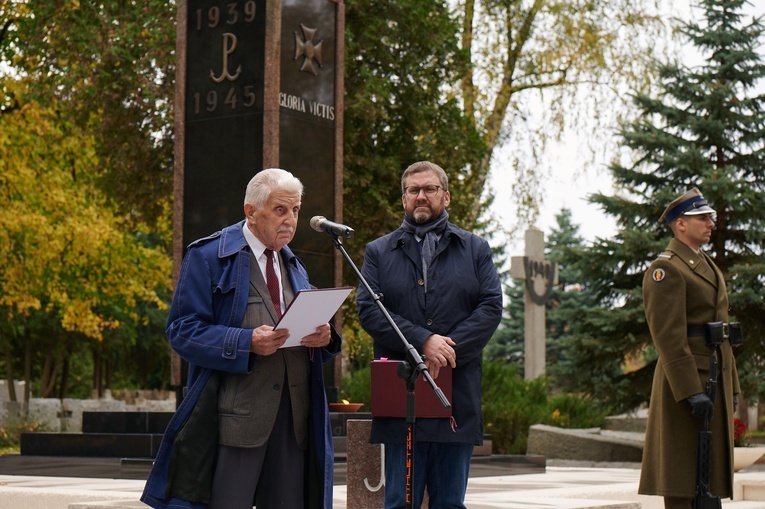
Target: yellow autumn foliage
(62, 248)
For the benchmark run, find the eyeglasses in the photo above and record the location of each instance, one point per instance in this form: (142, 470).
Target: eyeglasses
(414, 191)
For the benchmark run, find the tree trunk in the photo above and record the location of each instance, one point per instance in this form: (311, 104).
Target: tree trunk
(50, 375)
(165, 378)
(64, 372)
(9, 373)
(107, 373)
(97, 364)
(27, 371)
(46, 375)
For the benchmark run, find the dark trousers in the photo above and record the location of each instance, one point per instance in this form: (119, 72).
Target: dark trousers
(677, 503)
(441, 467)
(270, 475)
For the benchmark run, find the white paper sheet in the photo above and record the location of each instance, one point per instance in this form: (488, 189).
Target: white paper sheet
(310, 309)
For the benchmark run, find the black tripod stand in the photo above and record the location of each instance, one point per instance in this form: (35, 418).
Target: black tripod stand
(409, 370)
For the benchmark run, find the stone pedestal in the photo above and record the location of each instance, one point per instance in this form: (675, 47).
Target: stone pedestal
(590, 445)
(364, 482)
(104, 435)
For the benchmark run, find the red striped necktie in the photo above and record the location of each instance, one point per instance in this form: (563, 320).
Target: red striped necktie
(273, 283)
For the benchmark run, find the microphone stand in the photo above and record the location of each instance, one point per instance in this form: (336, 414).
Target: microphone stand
(409, 370)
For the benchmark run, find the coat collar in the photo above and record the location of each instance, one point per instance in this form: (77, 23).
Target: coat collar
(399, 237)
(694, 261)
(232, 241)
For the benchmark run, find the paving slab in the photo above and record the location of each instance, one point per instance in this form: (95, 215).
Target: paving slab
(557, 488)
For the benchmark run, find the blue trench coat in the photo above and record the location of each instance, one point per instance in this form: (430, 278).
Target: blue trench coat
(204, 328)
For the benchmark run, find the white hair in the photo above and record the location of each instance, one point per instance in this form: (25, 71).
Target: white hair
(267, 181)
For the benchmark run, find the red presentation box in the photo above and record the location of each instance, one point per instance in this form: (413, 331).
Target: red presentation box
(389, 392)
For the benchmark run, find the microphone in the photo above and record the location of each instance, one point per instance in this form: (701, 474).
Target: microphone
(322, 224)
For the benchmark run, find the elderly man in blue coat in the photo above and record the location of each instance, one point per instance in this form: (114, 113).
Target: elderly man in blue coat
(254, 427)
(440, 286)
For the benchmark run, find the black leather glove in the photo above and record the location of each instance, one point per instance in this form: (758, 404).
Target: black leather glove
(701, 405)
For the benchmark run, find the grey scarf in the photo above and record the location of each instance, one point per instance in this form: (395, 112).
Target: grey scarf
(429, 233)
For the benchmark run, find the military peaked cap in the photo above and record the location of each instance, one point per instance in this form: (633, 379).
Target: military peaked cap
(692, 203)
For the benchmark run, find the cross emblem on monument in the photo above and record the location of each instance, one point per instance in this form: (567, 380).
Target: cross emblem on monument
(540, 276)
(309, 50)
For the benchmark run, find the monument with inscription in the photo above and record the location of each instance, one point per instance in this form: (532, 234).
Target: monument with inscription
(540, 276)
(259, 84)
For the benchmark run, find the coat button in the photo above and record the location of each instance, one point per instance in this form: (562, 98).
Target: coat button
(228, 351)
(429, 321)
(420, 282)
(276, 387)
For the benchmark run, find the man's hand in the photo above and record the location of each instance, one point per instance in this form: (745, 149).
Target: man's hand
(701, 405)
(439, 352)
(432, 367)
(318, 339)
(266, 340)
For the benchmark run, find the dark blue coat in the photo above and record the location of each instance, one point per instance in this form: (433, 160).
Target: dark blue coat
(464, 302)
(204, 327)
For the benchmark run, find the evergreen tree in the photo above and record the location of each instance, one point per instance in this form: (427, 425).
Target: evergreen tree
(706, 129)
(507, 343)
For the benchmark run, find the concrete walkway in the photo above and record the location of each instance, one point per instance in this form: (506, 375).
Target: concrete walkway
(560, 487)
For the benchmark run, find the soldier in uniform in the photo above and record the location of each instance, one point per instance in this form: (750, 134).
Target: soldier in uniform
(683, 290)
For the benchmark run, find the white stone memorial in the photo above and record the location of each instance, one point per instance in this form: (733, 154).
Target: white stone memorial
(541, 276)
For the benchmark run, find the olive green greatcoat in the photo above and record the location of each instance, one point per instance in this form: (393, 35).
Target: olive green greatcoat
(683, 288)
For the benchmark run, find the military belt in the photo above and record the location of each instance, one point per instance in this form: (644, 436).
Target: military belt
(717, 332)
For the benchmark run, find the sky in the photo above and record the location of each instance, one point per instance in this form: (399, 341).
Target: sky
(573, 177)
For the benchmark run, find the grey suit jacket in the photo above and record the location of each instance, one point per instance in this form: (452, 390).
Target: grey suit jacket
(248, 404)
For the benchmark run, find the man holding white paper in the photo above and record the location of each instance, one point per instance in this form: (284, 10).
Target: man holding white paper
(254, 427)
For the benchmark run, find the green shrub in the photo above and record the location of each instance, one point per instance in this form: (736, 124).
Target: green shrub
(572, 411)
(10, 432)
(511, 405)
(357, 387)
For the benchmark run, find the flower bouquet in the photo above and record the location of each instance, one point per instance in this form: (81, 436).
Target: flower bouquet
(743, 454)
(740, 433)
